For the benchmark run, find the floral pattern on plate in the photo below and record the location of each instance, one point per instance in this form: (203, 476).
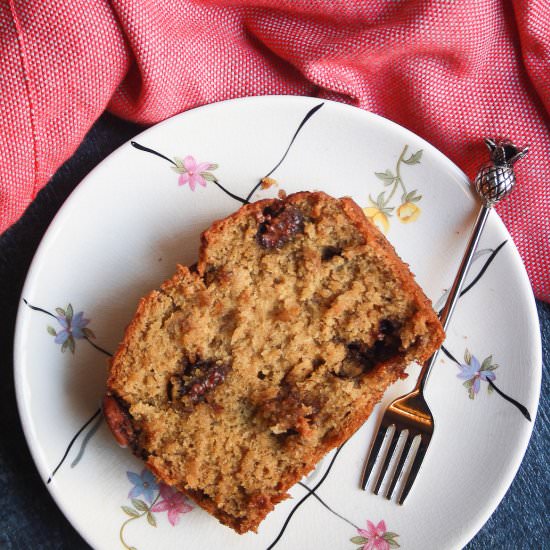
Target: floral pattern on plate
(192, 172)
(73, 326)
(375, 537)
(381, 210)
(157, 497)
(473, 373)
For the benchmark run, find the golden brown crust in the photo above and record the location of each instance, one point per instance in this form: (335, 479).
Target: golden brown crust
(194, 285)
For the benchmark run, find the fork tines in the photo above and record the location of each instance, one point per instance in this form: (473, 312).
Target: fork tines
(393, 454)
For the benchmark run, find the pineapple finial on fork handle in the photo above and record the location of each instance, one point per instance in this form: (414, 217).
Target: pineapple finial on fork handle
(496, 179)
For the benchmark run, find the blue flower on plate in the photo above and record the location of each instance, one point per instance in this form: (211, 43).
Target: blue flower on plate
(473, 372)
(143, 484)
(73, 326)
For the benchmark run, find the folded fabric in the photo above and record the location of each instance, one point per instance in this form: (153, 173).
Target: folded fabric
(453, 72)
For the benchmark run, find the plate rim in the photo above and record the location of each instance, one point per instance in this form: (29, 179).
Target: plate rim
(31, 278)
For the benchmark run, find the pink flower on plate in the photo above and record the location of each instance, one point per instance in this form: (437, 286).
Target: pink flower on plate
(172, 502)
(375, 537)
(194, 173)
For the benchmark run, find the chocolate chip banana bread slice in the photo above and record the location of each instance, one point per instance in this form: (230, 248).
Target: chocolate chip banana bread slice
(237, 376)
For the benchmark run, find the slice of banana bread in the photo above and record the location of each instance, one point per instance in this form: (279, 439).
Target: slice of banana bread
(241, 372)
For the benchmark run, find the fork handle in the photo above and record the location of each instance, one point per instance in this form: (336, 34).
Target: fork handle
(454, 292)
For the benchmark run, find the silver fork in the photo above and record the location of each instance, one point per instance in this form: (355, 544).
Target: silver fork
(410, 413)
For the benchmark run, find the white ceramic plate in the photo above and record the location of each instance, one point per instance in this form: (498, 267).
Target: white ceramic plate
(127, 225)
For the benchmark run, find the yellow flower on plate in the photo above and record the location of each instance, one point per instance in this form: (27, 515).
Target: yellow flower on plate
(408, 212)
(377, 216)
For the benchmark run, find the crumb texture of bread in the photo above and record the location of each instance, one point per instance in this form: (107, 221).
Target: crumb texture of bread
(238, 375)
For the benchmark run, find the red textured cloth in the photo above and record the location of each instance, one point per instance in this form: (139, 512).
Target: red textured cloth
(453, 72)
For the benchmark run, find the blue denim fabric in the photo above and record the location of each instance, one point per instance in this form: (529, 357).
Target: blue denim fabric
(29, 517)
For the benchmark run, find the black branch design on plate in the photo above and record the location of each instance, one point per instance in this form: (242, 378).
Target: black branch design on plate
(476, 279)
(97, 414)
(483, 269)
(308, 115)
(522, 408)
(304, 498)
(85, 336)
(91, 432)
(492, 255)
(315, 495)
(175, 164)
(178, 165)
(72, 442)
